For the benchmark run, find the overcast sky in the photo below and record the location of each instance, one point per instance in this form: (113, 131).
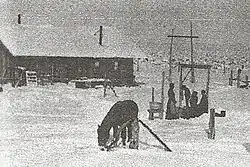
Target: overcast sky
(222, 25)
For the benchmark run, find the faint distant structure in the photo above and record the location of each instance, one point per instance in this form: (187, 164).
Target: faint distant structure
(100, 35)
(19, 18)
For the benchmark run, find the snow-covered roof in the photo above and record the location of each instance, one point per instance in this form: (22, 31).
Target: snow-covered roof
(28, 40)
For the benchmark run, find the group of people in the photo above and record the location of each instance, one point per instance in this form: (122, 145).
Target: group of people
(191, 101)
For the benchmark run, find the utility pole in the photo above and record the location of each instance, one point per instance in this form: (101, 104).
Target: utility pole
(19, 18)
(192, 59)
(171, 57)
(101, 35)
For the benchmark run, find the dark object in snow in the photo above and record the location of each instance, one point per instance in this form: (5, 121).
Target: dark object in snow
(211, 130)
(19, 18)
(188, 113)
(89, 82)
(221, 114)
(154, 107)
(1, 89)
(120, 113)
(166, 148)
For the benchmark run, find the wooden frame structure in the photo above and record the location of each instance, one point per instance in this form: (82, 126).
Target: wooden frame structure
(170, 52)
(192, 66)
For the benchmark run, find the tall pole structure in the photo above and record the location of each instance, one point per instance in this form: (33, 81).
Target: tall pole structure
(100, 36)
(192, 57)
(171, 57)
(19, 18)
(162, 95)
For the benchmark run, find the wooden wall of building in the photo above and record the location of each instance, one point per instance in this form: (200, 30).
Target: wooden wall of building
(118, 69)
(5, 61)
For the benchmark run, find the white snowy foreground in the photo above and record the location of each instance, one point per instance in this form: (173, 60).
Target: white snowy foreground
(56, 125)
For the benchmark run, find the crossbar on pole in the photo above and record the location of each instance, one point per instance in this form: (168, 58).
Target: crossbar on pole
(182, 36)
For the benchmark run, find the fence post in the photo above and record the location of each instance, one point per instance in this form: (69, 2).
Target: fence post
(231, 78)
(162, 95)
(211, 132)
(238, 78)
(153, 94)
(247, 82)
(224, 67)
(151, 114)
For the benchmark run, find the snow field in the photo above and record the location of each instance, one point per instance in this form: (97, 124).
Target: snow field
(56, 125)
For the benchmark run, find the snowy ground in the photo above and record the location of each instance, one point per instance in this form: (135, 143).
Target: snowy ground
(56, 125)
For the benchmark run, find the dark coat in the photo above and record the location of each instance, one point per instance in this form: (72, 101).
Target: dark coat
(203, 105)
(187, 96)
(193, 101)
(171, 96)
(187, 93)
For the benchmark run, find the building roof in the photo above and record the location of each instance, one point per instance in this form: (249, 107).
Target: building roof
(24, 40)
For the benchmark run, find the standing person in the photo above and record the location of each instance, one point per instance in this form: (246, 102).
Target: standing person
(171, 102)
(203, 105)
(194, 100)
(186, 94)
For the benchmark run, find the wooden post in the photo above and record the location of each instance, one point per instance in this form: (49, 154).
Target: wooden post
(238, 79)
(170, 57)
(153, 94)
(224, 67)
(185, 36)
(162, 95)
(247, 82)
(192, 58)
(180, 91)
(211, 132)
(208, 81)
(231, 78)
(151, 114)
(138, 64)
(19, 18)
(100, 36)
(166, 148)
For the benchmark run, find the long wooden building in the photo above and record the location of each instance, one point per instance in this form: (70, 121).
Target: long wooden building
(69, 52)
